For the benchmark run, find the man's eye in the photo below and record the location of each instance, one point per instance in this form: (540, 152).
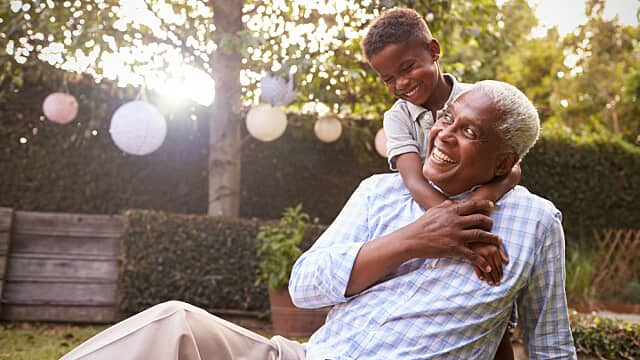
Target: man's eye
(407, 68)
(445, 118)
(387, 80)
(469, 133)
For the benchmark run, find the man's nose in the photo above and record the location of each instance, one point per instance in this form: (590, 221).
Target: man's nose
(446, 133)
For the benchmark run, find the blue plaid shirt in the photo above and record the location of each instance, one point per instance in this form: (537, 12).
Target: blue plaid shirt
(435, 308)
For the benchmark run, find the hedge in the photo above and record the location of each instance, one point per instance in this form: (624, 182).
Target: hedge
(206, 261)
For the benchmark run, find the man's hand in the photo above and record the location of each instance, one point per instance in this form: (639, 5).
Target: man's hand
(449, 230)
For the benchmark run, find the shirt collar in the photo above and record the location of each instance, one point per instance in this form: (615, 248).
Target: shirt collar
(417, 111)
(461, 196)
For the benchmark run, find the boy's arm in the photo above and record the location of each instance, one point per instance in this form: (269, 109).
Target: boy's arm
(499, 186)
(410, 167)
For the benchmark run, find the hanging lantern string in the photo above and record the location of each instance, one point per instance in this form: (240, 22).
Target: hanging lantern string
(65, 86)
(142, 93)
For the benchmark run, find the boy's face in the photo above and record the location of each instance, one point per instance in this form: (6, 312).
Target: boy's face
(464, 146)
(409, 70)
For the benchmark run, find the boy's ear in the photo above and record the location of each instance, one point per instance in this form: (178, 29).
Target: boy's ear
(505, 163)
(434, 49)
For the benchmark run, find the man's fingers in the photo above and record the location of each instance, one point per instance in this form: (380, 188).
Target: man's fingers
(476, 221)
(474, 206)
(481, 236)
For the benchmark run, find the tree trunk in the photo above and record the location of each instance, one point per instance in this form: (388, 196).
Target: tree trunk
(224, 115)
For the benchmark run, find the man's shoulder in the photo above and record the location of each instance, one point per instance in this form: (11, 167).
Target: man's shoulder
(535, 206)
(383, 184)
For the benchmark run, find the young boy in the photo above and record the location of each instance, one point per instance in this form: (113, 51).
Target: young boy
(400, 48)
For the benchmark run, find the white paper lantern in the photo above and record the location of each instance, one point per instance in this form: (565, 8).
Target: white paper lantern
(266, 123)
(328, 129)
(380, 142)
(276, 91)
(60, 107)
(138, 128)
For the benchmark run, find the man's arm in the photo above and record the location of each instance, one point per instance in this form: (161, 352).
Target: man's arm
(542, 306)
(344, 261)
(445, 230)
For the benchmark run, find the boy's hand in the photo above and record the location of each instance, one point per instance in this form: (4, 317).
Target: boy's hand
(496, 257)
(499, 186)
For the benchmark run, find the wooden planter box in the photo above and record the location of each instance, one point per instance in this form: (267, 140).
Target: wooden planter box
(289, 320)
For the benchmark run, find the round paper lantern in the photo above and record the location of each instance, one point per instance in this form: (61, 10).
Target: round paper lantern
(328, 129)
(381, 143)
(60, 107)
(276, 91)
(138, 128)
(266, 123)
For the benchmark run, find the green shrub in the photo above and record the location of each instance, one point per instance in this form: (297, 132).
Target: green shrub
(207, 261)
(278, 247)
(605, 338)
(591, 179)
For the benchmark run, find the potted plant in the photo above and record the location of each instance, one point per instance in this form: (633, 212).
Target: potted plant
(278, 248)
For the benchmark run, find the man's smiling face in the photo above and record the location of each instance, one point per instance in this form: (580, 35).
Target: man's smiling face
(464, 146)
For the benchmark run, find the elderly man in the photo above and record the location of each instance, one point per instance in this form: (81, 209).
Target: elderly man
(400, 279)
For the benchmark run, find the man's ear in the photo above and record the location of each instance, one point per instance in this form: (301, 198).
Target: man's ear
(505, 163)
(434, 49)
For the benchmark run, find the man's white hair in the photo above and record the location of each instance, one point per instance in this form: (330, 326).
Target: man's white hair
(518, 124)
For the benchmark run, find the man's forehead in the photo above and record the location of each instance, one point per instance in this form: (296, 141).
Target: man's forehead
(473, 100)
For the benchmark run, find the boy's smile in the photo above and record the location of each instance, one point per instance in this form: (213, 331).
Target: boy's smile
(410, 72)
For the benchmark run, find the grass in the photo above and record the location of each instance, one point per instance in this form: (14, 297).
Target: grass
(44, 341)
(29, 341)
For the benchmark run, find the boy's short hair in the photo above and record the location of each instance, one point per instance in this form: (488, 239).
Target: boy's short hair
(394, 26)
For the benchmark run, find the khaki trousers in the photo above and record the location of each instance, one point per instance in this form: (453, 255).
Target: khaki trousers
(177, 330)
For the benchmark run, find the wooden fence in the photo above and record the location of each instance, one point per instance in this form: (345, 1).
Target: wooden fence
(59, 267)
(616, 259)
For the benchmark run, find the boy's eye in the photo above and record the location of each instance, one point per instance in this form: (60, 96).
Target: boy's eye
(407, 68)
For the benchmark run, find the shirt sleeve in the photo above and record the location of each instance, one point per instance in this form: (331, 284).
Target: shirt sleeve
(542, 306)
(399, 129)
(320, 276)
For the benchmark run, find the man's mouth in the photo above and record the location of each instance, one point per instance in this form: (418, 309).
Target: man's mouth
(439, 155)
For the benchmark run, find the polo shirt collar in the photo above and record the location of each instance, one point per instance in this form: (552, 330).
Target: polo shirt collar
(417, 112)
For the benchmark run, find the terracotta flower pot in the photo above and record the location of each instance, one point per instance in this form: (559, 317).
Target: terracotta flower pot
(289, 320)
